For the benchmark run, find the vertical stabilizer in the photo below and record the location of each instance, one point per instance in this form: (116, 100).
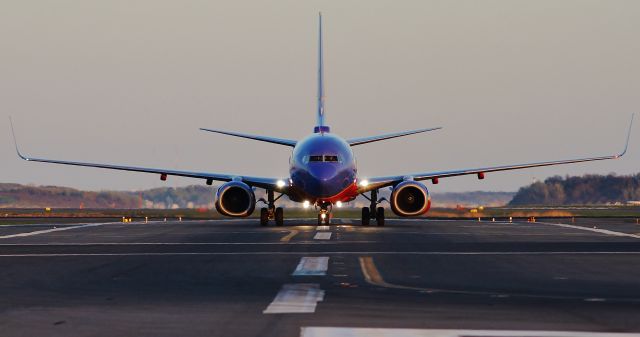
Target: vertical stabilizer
(320, 126)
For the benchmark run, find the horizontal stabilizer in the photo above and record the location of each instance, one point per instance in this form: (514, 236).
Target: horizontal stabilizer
(365, 140)
(281, 141)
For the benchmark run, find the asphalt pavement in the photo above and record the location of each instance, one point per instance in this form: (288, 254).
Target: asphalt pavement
(235, 278)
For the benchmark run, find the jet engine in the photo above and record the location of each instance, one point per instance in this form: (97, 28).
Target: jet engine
(235, 199)
(410, 198)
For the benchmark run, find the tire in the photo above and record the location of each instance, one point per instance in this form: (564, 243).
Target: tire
(279, 216)
(264, 217)
(366, 216)
(380, 216)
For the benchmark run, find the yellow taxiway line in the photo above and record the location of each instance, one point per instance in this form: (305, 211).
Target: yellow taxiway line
(288, 237)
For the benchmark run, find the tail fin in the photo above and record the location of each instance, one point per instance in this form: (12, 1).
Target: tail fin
(320, 126)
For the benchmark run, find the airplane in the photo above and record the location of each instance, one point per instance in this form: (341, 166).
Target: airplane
(323, 173)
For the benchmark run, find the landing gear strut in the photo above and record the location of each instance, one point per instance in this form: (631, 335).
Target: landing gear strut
(373, 211)
(271, 212)
(324, 217)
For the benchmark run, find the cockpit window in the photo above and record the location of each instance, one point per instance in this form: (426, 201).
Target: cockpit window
(321, 158)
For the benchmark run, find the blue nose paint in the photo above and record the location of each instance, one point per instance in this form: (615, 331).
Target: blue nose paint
(322, 166)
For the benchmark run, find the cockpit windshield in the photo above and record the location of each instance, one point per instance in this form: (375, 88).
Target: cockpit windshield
(322, 158)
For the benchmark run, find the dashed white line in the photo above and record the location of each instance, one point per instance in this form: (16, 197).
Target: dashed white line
(322, 236)
(312, 266)
(296, 298)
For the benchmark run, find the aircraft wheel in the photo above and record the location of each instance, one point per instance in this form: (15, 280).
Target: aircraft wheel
(380, 216)
(366, 216)
(264, 217)
(279, 216)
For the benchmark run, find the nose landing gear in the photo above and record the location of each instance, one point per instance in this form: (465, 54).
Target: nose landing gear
(324, 217)
(373, 212)
(271, 212)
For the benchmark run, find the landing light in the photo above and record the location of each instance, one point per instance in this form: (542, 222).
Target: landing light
(323, 215)
(339, 203)
(280, 183)
(306, 204)
(364, 183)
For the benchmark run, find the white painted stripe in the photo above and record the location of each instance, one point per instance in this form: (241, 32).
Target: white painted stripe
(45, 231)
(323, 228)
(296, 298)
(312, 266)
(381, 332)
(322, 236)
(484, 221)
(324, 252)
(555, 234)
(596, 230)
(81, 244)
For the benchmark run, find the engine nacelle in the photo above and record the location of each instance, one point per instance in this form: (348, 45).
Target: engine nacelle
(410, 198)
(235, 199)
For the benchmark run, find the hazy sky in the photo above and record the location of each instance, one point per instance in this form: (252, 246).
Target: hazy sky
(130, 82)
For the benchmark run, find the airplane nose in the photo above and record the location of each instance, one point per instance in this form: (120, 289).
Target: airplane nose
(323, 172)
(322, 179)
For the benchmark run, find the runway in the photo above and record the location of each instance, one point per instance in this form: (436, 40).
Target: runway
(235, 278)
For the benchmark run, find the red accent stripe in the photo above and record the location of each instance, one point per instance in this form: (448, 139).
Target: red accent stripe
(348, 194)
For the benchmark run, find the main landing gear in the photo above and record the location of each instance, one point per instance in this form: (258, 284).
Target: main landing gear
(271, 212)
(373, 212)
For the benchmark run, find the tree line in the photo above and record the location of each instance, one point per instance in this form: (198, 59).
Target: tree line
(580, 190)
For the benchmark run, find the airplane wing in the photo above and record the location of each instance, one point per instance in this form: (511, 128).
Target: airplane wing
(379, 182)
(268, 183)
(365, 140)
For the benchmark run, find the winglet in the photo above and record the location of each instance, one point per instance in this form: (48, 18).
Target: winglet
(15, 142)
(626, 145)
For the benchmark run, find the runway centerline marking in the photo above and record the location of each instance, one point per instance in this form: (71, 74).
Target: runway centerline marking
(296, 298)
(312, 266)
(322, 236)
(323, 228)
(289, 236)
(52, 230)
(596, 230)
